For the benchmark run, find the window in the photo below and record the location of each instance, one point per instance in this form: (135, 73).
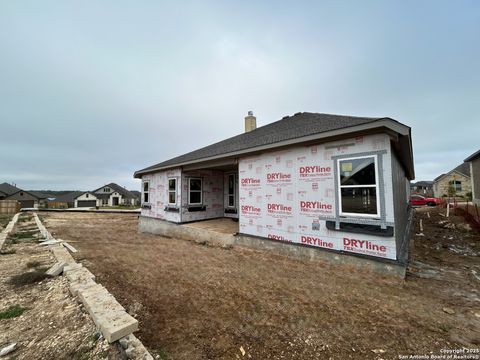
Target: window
(456, 185)
(86, 195)
(231, 190)
(172, 191)
(194, 191)
(145, 189)
(358, 186)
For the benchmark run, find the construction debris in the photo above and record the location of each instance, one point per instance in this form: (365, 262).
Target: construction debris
(49, 242)
(8, 349)
(448, 310)
(56, 269)
(109, 316)
(69, 247)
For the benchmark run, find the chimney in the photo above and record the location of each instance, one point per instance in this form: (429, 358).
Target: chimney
(250, 122)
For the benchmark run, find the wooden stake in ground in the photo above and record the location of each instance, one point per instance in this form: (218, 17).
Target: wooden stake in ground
(428, 214)
(421, 225)
(448, 209)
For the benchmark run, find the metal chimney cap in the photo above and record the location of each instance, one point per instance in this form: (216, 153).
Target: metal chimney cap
(250, 113)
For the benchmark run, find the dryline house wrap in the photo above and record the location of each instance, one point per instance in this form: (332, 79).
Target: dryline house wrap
(336, 183)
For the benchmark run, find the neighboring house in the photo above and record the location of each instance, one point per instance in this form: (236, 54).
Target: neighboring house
(6, 189)
(454, 183)
(338, 183)
(43, 198)
(474, 163)
(137, 195)
(64, 201)
(107, 195)
(26, 199)
(424, 188)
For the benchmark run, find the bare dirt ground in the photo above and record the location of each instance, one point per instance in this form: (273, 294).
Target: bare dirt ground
(202, 302)
(51, 325)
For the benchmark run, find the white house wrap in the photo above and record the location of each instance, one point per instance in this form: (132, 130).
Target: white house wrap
(330, 182)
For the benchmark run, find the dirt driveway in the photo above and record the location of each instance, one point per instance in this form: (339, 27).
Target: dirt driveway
(202, 302)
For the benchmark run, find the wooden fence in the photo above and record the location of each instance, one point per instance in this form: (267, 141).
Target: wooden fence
(9, 206)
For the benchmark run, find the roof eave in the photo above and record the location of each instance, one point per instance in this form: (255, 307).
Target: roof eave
(385, 123)
(473, 156)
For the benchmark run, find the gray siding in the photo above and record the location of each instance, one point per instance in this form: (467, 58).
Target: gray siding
(402, 210)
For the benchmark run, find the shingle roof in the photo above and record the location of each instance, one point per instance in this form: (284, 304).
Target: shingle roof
(423, 183)
(69, 197)
(288, 128)
(473, 156)
(463, 168)
(8, 189)
(121, 190)
(40, 194)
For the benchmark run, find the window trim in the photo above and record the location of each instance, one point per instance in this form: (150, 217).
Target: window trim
(172, 191)
(234, 191)
(145, 192)
(455, 184)
(376, 186)
(199, 191)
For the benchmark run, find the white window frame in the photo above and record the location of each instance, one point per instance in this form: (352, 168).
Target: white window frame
(172, 191)
(234, 191)
(145, 192)
(200, 191)
(340, 187)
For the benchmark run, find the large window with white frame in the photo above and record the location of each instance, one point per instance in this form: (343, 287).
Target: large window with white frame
(172, 191)
(194, 191)
(358, 187)
(145, 191)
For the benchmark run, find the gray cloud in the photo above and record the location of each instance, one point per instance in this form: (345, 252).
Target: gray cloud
(91, 92)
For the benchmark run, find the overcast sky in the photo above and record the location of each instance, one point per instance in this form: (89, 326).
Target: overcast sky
(91, 91)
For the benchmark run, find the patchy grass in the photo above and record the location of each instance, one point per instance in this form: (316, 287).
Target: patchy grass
(23, 236)
(25, 218)
(162, 355)
(4, 220)
(29, 277)
(12, 312)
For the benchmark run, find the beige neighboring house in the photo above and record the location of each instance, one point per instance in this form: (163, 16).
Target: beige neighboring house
(458, 180)
(107, 195)
(474, 162)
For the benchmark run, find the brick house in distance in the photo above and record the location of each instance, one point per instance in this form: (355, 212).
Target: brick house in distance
(474, 162)
(328, 186)
(456, 182)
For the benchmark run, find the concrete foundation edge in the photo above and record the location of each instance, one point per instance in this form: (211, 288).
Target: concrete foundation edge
(165, 228)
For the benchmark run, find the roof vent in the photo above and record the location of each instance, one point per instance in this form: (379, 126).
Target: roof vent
(250, 122)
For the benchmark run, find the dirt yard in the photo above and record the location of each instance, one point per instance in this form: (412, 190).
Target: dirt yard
(37, 312)
(202, 302)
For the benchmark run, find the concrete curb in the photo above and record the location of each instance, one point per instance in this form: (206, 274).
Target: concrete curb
(108, 315)
(8, 229)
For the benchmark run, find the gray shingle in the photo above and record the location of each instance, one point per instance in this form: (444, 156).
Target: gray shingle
(288, 128)
(463, 168)
(473, 156)
(8, 189)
